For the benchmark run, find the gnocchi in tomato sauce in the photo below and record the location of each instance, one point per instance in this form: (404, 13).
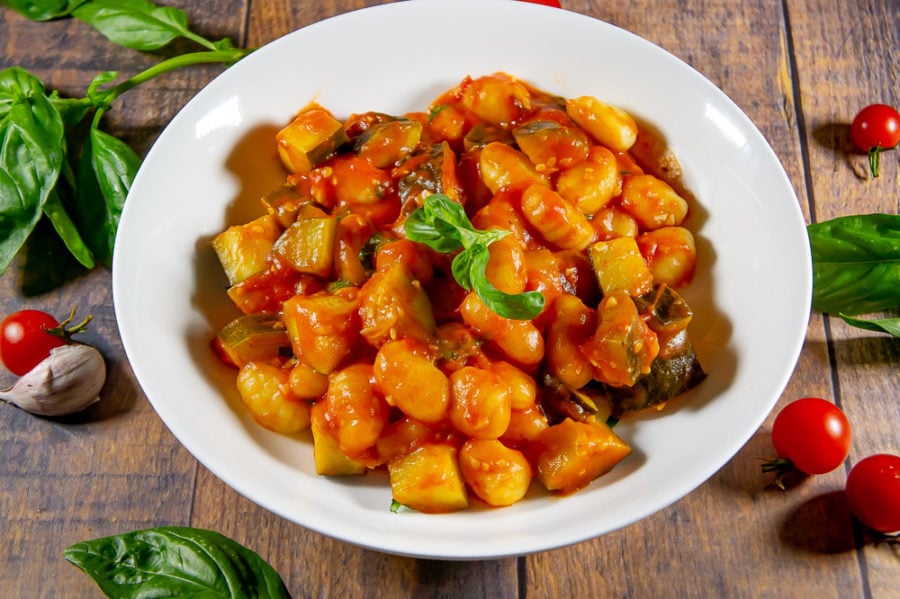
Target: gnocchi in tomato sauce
(366, 337)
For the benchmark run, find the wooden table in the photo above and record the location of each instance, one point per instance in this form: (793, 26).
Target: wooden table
(799, 68)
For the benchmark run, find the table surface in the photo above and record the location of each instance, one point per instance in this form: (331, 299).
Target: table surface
(799, 68)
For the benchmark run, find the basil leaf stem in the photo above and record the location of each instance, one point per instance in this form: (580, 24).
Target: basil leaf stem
(442, 225)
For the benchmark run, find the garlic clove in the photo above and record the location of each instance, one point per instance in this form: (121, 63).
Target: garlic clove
(67, 381)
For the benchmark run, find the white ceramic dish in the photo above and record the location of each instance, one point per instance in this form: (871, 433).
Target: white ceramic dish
(207, 169)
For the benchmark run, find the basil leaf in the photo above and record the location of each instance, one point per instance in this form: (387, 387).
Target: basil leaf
(856, 264)
(419, 228)
(43, 10)
(176, 561)
(518, 306)
(462, 268)
(136, 24)
(890, 326)
(32, 150)
(65, 228)
(442, 224)
(105, 174)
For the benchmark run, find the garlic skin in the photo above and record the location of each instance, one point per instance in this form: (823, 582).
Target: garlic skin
(67, 381)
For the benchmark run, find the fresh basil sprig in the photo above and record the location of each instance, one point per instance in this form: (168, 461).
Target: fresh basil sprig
(856, 268)
(175, 561)
(442, 225)
(78, 177)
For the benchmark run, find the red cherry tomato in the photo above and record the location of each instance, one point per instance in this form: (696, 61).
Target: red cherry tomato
(545, 2)
(874, 129)
(873, 492)
(814, 434)
(24, 340)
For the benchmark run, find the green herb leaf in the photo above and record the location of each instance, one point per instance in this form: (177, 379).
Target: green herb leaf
(43, 10)
(442, 225)
(856, 264)
(176, 562)
(137, 24)
(890, 326)
(66, 230)
(107, 169)
(32, 150)
(518, 306)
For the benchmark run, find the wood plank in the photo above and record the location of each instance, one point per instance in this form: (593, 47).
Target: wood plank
(310, 565)
(115, 467)
(734, 536)
(847, 57)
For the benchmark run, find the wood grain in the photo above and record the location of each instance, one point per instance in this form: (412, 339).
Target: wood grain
(799, 68)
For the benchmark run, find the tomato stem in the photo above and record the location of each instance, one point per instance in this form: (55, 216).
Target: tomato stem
(64, 332)
(874, 160)
(781, 467)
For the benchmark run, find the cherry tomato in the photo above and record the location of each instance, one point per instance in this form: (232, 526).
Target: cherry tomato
(873, 492)
(874, 129)
(545, 2)
(814, 434)
(24, 340)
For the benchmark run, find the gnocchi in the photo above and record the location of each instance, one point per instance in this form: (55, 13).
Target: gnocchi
(352, 330)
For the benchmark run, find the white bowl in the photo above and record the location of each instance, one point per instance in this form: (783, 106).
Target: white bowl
(211, 164)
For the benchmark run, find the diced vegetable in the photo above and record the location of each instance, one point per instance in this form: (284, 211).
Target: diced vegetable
(387, 144)
(623, 346)
(428, 479)
(327, 454)
(308, 245)
(323, 329)
(310, 138)
(242, 249)
(426, 174)
(394, 305)
(675, 371)
(572, 454)
(252, 337)
(620, 267)
(664, 310)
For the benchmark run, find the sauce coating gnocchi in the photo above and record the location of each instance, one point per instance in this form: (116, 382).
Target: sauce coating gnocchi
(353, 330)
